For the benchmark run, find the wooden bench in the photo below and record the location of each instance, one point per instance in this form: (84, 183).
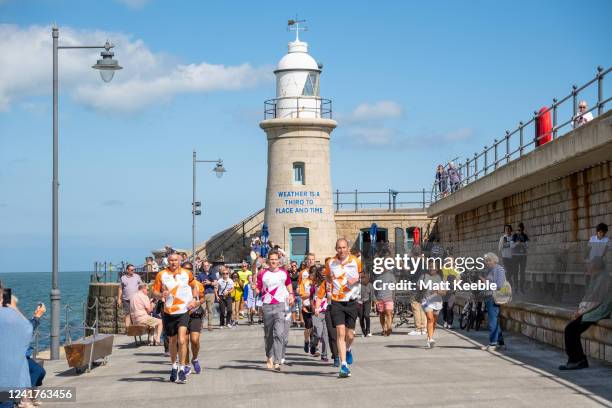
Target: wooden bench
(82, 353)
(137, 331)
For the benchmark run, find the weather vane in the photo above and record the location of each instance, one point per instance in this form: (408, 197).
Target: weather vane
(294, 25)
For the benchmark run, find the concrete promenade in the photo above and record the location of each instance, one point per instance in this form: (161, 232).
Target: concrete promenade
(393, 371)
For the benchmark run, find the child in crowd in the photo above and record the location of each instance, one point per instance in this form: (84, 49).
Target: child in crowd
(249, 299)
(432, 302)
(319, 302)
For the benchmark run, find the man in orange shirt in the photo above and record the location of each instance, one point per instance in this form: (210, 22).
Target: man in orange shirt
(177, 289)
(342, 272)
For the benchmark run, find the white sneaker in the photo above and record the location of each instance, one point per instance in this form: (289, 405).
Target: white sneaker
(423, 333)
(445, 325)
(282, 361)
(431, 342)
(369, 335)
(415, 333)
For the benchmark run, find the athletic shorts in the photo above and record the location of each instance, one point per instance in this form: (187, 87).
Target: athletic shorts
(344, 313)
(307, 320)
(195, 324)
(173, 322)
(383, 305)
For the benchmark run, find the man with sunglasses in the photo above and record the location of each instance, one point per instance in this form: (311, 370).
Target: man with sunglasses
(582, 116)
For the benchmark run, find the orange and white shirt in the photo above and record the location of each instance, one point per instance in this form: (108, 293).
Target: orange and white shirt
(341, 272)
(180, 284)
(304, 291)
(320, 297)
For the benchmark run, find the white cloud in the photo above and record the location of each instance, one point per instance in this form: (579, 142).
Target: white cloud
(387, 138)
(147, 78)
(374, 111)
(133, 4)
(458, 135)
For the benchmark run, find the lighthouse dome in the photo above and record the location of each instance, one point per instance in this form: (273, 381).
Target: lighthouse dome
(297, 58)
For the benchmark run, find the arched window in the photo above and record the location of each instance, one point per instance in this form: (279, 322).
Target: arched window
(299, 176)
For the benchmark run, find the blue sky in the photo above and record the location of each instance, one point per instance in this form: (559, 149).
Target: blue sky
(412, 84)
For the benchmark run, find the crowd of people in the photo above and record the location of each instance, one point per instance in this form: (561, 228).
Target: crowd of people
(324, 299)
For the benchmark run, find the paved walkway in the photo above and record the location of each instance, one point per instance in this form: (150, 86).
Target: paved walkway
(393, 371)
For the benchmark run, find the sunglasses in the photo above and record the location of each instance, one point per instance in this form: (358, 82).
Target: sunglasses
(582, 107)
(226, 274)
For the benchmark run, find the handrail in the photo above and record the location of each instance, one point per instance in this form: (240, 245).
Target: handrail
(322, 108)
(231, 231)
(390, 201)
(490, 159)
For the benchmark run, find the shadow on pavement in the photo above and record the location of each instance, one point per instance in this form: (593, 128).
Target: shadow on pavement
(594, 383)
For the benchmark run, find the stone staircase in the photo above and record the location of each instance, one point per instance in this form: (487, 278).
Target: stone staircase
(233, 243)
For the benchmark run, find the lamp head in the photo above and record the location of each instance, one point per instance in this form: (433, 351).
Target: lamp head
(107, 65)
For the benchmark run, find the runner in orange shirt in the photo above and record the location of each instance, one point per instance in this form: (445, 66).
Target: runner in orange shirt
(342, 271)
(177, 288)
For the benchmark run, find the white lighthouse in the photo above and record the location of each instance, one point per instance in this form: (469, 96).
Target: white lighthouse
(299, 209)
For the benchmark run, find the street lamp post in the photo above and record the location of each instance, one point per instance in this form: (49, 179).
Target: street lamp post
(195, 205)
(107, 66)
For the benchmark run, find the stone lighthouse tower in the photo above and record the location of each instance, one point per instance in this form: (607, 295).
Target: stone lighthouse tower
(299, 210)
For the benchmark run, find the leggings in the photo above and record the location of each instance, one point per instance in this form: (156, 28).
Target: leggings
(331, 332)
(363, 311)
(447, 310)
(225, 310)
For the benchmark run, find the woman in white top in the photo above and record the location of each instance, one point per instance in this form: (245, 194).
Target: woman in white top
(274, 285)
(432, 302)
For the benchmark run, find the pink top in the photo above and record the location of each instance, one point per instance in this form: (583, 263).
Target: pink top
(273, 286)
(138, 308)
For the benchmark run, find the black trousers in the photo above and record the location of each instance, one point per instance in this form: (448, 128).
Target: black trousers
(331, 332)
(363, 311)
(573, 346)
(225, 310)
(510, 265)
(448, 315)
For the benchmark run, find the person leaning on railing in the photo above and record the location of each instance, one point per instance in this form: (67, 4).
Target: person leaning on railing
(582, 116)
(454, 177)
(442, 180)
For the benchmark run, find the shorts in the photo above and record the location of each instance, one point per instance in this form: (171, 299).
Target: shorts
(195, 324)
(307, 320)
(173, 322)
(125, 305)
(250, 303)
(344, 313)
(432, 307)
(382, 305)
(150, 322)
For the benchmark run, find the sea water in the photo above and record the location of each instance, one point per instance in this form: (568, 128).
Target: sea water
(30, 288)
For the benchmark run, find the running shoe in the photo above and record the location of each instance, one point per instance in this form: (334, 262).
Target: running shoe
(349, 357)
(283, 361)
(415, 333)
(432, 343)
(369, 335)
(306, 347)
(182, 377)
(324, 359)
(173, 374)
(344, 372)
(196, 367)
(336, 361)
(187, 370)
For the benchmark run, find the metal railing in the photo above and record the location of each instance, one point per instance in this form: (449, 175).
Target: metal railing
(516, 143)
(390, 199)
(322, 108)
(107, 271)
